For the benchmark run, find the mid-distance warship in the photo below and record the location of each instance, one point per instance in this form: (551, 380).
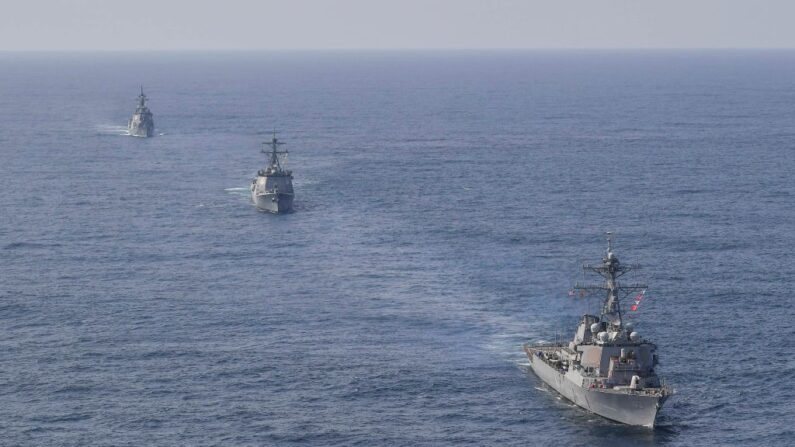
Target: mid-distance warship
(272, 188)
(608, 368)
(142, 124)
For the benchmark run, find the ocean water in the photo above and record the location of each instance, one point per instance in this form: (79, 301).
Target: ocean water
(445, 202)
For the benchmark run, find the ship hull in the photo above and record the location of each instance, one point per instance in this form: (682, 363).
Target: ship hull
(271, 202)
(141, 126)
(631, 409)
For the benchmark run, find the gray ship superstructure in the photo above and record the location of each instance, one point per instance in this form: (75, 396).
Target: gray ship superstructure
(142, 123)
(272, 188)
(608, 368)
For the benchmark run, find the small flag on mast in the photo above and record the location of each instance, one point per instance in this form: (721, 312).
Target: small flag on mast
(638, 298)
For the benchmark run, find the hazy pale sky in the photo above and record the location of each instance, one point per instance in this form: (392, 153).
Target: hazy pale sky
(387, 24)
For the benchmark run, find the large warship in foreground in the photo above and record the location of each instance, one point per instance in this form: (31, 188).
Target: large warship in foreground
(272, 188)
(608, 368)
(142, 124)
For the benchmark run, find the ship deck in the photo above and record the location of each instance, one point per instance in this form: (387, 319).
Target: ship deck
(532, 350)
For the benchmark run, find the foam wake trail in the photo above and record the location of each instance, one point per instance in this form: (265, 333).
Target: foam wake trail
(107, 129)
(237, 191)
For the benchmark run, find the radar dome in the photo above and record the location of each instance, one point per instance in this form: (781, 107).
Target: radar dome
(634, 336)
(602, 336)
(595, 327)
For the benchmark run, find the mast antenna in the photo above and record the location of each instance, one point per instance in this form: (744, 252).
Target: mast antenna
(610, 269)
(274, 162)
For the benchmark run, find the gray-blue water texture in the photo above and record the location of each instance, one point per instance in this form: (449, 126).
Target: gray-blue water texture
(445, 202)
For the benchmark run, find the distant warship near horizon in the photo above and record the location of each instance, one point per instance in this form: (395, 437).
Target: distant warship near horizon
(272, 188)
(142, 124)
(607, 368)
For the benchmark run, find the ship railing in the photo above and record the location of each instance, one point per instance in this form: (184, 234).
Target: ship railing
(544, 347)
(596, 385)
(665, 388)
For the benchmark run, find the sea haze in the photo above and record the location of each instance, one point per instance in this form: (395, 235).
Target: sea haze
(444, 204)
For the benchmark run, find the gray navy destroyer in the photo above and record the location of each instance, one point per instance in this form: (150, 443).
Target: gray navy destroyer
(272, 188)
(608, 368)
(142, 123)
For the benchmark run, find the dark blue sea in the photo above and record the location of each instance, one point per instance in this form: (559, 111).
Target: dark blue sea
(445, 202)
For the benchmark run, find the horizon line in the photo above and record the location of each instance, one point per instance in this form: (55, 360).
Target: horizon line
(395, 49)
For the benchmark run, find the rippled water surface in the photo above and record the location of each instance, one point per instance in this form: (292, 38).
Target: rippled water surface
(444, 204)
